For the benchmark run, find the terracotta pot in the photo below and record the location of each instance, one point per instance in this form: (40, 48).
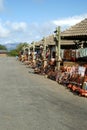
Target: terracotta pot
(69, 86)
(74, 87)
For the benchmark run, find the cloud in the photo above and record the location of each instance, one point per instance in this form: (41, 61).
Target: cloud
(11, 30)
(16, 26)
(47, 28)
(21, 26)
(23, 32)
(1, 5)
(69, 21)
(40, 29)
(4, 32)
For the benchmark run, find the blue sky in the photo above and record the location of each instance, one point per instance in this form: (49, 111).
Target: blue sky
(31, 20)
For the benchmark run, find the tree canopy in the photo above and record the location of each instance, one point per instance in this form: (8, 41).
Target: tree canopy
(20, 46)
(2, 47)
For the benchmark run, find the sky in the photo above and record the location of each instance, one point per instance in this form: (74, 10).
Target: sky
(31, 20)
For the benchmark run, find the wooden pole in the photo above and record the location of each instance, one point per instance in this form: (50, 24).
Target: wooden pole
(44, 51)
(58, 39)
(34, 53)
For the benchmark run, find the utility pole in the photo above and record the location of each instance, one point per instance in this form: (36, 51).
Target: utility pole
(58, 39)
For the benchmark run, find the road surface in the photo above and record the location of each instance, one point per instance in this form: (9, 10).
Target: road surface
(33, 102)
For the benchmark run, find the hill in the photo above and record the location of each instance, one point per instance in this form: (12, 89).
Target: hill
(11, 46)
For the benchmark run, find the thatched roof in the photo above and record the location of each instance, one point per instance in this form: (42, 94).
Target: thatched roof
(67, 42)
(50, 41)
(39, 43)
(78, 31)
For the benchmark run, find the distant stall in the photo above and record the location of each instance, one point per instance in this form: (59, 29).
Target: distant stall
(3, 53)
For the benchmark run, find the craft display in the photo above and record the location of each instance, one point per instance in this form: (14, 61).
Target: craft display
(67, 54)
(73, 77)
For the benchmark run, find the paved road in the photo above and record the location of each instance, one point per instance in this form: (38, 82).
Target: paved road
(32, 102)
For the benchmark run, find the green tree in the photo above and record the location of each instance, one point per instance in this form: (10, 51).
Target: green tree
(20, 46)
(2, 47)
(13, 52)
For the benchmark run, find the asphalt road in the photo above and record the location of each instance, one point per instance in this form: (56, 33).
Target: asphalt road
(33, 102)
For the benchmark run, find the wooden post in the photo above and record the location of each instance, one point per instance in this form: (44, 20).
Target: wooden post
(28, 51)
(34, 53)
(58, 39)
(44, 51)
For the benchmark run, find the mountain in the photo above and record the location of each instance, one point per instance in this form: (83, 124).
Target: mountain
(11, 46)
